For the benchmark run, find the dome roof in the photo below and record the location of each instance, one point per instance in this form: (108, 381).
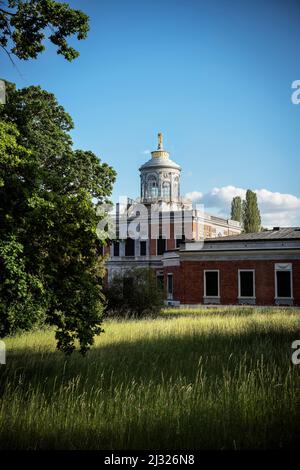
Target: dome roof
(160, 158)
(160, 162)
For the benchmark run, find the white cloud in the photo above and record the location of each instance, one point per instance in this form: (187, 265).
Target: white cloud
(146, 152)
(277, 201)
(277, 209)
(194, 196)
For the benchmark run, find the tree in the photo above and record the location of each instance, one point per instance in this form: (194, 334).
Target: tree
(24, 24)
(251, 213)
(236, 209)
(49, 220)
(20, 290)
(134, 293)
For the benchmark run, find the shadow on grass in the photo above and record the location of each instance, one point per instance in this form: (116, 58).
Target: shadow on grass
(146, 390)
(157, 359)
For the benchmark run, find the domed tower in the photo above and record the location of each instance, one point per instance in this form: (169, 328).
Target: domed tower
(160, 177)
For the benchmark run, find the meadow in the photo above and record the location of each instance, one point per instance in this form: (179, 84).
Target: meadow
(194, 379)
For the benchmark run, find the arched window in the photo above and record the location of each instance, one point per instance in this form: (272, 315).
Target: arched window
(166, 190)
(152, 187)
(176, 186)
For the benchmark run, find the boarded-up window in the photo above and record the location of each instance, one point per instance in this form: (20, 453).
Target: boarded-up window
(170, 286)
(116, 249)
(161, 246)
(284, 284)
(129, 247)
(246, 283)
(283, 280)
(143, 246)
(211, 284)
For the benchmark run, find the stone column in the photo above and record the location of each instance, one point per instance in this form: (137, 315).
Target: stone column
(137, 250)
(122, 248)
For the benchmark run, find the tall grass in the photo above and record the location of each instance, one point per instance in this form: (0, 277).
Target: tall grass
(220, 379)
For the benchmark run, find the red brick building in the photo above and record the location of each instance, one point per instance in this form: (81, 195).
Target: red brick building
(258, 269)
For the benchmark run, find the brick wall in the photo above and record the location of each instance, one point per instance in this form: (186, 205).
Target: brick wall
(153, 247)
(188, 280)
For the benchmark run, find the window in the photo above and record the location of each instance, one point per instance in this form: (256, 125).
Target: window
(211, 283)
(176, 187)
(116, 248)
(246, 283)
(170, 286)
(283, 281)
(129, 247)
(166, 190)
(143, 247)
(154, 190)
(152, 187)
(161, 246)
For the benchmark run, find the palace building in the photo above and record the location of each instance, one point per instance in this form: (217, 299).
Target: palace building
(168, 219)
(200, 258)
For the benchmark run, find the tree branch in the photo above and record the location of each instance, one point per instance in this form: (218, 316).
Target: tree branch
(12, 61)
(7, 12)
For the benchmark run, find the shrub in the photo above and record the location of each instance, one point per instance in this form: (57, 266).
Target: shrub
(134, 292)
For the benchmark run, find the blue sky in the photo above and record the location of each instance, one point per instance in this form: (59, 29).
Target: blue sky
(214, 76)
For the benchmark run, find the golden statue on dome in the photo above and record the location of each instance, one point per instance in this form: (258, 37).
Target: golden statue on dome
(160, 141)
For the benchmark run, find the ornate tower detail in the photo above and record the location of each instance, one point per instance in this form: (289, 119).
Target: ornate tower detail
(160, 177)
(160, 141)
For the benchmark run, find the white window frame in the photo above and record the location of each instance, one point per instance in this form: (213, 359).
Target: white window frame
(212, 271)
(170, 295)
(239, 284)
(288, 269)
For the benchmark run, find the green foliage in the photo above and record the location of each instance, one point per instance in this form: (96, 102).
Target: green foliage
(134, 292)
(247, 212)
(21, 293)
(49, 220)
(251, 213)
(236, 209)
(23, 27)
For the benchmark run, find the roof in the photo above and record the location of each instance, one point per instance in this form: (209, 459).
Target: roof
(288, 233)
(160, 162)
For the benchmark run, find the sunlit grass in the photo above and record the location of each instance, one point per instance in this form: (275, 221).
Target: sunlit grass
(213, 378)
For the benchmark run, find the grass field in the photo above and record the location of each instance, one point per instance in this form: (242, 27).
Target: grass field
(187, 380)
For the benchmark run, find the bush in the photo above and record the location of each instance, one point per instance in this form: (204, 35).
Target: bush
(134, 293)
(22, 298)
